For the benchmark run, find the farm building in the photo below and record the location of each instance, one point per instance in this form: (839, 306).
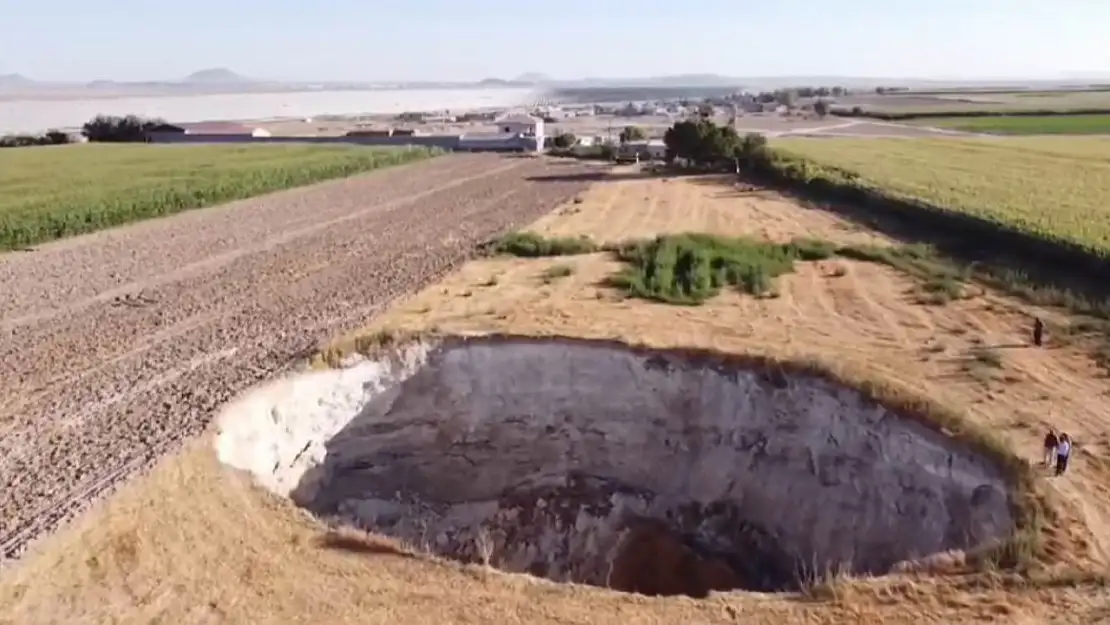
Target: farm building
(522, 125)
(653, 149)
(170, 133)
(499, 142)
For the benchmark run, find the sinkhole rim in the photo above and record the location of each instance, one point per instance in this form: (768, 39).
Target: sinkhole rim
(1029, 508)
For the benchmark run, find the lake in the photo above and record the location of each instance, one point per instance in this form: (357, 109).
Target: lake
(39, 115)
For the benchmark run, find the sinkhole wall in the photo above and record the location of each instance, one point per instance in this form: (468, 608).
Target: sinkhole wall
(557, 457)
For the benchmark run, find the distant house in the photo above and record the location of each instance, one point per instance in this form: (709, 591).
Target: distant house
(499, 142)
(169, 133)
(522, 125)
(653, 149)
(370, 132)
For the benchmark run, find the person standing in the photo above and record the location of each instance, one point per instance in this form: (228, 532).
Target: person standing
(1050, 443)
(1038, 331)
(1063, 454)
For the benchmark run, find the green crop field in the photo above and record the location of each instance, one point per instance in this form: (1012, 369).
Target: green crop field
(957, 102)
(48, 193)
(1026, 125)
(1057, 188)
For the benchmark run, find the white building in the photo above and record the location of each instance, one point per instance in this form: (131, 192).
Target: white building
(652, 149)
(523, 126)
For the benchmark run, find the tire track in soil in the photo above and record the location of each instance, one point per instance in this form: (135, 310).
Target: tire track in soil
(205, 298)
(262, 322)
(212, 262)
(886, 295)
(160, 246)
(814, 295)
(90, 391)
(850, 301)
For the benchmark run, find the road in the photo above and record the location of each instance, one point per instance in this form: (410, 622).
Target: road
(116, 346)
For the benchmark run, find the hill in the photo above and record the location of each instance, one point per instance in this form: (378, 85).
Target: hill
(215, 76)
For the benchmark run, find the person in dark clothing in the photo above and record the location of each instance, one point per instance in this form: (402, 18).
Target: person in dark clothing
(1050, 443)
(1063, 454)
(1038, 331)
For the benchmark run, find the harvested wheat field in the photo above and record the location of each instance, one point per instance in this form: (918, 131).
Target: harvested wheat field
(524, 414)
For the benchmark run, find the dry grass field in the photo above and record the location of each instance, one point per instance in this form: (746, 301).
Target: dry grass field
(193, 543)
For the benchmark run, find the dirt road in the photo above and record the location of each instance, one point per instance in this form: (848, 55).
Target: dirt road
(115, 346)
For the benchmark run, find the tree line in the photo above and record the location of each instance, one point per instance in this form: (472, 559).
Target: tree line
(702, 143)
(100, 129)
(51, 137)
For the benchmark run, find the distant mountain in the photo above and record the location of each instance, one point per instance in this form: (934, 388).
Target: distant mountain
(499, 82)
(216, 76)
(14, 81)
(533, 78)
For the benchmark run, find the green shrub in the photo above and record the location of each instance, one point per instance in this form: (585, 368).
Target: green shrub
(691, 268)
(532, 245)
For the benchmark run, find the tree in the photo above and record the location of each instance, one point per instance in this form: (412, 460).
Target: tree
(632, 133)
(111, 129)
(53, 137)
(702, 142)
(752, 150)
(786, 97)
(564, 140)
(57, 137)
(821, 107)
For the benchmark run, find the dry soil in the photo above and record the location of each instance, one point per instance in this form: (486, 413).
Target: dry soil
(193, 543)
(116, 345)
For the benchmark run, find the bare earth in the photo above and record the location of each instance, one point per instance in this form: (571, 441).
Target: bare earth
(194, 543)
(115, 346)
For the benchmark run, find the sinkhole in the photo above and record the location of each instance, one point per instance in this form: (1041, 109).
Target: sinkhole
(657, 472)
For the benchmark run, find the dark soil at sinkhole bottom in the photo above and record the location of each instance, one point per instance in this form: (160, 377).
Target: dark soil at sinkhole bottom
(658, 472)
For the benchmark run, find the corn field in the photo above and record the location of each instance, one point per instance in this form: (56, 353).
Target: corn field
(47, 193)
(1057, 188)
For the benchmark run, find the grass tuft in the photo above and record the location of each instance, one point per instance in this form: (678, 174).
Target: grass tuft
(691, 268)
(555, 272)
(532, 245)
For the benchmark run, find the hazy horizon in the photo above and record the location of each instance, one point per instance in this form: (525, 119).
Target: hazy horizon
(436, 40)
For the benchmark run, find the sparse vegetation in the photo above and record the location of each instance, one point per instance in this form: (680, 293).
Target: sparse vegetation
(51, 194)
(555, 272)
(691, 268)
(52, 137)
(532, 245)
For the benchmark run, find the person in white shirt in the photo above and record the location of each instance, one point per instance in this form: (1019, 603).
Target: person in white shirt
(1063, 453)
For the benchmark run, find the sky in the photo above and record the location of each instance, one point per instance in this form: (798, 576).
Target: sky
(379, 40)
